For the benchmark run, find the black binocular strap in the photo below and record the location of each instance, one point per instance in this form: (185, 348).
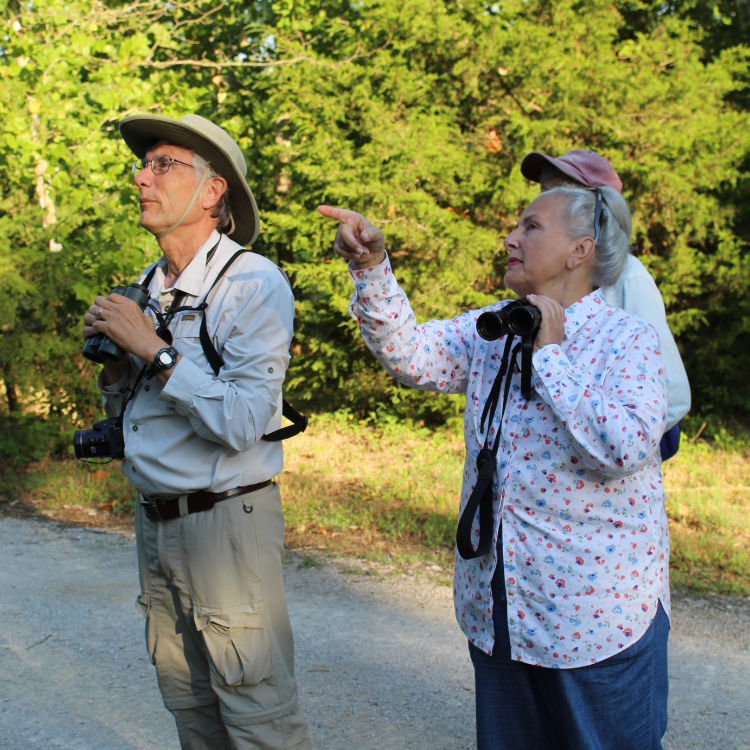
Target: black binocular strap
(527, 350)
(299, 423)
(494, 396)
(481, 495)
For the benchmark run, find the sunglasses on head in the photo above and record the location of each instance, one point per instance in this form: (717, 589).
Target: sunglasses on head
(598, 215)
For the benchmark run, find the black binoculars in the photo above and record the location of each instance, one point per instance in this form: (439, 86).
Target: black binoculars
(100, 348)
(519, 317)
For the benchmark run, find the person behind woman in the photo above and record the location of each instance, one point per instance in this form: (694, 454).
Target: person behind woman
(567, 614)
(635, 290)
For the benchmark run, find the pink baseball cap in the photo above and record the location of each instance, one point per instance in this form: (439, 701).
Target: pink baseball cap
(581, 164)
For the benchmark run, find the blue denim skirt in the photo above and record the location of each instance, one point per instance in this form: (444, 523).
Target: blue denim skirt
(619, 703)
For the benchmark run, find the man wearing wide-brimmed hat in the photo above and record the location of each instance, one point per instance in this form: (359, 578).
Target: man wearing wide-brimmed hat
(200, 387)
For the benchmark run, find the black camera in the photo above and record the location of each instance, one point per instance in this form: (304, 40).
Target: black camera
(100, 348)
(519, 317)
(104, 440)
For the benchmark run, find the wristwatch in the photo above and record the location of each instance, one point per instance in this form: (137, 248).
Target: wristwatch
(164, 359)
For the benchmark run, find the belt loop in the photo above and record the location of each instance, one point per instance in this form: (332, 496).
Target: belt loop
(183, 506)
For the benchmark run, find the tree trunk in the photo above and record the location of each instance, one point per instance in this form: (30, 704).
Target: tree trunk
(10, 392)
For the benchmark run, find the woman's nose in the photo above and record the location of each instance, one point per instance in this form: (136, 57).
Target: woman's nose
(511, 241)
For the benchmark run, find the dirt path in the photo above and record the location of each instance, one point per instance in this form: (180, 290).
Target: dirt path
(380, 660)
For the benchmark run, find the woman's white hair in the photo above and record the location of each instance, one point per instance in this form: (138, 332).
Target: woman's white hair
(613, 247)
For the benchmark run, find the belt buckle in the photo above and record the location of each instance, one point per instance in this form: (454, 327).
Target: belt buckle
(151, 509)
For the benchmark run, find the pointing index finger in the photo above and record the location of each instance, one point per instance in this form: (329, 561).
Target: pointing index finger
(344, 215)
(340, 214)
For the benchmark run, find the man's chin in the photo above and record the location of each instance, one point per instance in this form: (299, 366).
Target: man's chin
(149, 223)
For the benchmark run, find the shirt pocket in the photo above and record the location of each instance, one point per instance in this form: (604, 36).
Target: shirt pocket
(188, 326)
(186, 339)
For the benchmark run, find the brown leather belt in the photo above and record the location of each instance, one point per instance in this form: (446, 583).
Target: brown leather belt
(193, 503)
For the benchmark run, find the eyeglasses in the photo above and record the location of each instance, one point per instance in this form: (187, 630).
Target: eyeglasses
(159, 164)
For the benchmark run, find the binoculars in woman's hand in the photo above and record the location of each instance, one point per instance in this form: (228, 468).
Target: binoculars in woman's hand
(519, 317)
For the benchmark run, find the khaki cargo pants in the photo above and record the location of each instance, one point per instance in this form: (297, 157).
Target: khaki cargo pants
(217, 625)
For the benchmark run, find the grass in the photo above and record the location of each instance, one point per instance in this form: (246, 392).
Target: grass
(68, 490)
(391, 494)
(385, 494)
(708, 502)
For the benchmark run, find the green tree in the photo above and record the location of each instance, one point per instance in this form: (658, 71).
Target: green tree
(417, 114)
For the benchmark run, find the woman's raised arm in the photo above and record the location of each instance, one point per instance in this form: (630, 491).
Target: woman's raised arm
(433, 356)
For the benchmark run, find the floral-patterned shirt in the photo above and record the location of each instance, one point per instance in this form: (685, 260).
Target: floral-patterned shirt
(578, 482)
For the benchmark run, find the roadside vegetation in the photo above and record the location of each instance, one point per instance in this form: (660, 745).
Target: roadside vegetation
(391, 494)
(415, 113)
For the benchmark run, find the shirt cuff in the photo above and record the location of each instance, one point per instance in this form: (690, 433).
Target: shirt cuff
(551, 381)
(186, 380)
(370, 284)
(115, 389)
(365, 275)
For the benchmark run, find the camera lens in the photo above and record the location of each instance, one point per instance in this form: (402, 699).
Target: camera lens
(90, 444)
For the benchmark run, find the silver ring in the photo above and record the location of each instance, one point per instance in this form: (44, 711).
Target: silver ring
(99, 313)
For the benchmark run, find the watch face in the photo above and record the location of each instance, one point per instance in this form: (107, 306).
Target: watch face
(165, 359)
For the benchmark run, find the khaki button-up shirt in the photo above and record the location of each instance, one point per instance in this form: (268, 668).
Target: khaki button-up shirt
(202, 431)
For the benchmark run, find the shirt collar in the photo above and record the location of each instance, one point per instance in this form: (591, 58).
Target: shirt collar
(190, 281)
(577, 314)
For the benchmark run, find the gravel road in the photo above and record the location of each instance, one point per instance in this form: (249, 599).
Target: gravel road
(380, 661)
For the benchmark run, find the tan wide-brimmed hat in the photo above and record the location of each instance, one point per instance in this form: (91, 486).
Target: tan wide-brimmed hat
(210, 142)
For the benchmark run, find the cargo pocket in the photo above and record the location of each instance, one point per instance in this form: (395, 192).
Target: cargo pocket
(143, 603)
(238, 645)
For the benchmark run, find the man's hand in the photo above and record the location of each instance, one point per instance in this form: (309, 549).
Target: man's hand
(113, 371)
(356, 238)
(552, 329)
(121, 319)
(89, 319)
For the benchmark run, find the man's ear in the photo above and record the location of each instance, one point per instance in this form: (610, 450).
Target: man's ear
(212, 192)
(583, 250)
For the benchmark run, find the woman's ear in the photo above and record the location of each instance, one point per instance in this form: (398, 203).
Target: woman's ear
(583, 250)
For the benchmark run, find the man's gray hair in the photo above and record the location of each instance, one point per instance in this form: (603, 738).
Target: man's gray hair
(550, 172)
(223, 209)
(613, 247)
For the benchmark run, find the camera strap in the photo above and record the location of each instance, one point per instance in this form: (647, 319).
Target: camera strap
(481, 495)
(130, 396)
(299, 422)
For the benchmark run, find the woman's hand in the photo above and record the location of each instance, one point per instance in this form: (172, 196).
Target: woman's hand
(552, 329)
(356, 238)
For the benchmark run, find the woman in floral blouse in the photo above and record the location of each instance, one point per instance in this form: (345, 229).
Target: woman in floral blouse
(567, 612)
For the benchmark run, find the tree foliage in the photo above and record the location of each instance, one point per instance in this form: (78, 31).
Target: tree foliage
(417, 114)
